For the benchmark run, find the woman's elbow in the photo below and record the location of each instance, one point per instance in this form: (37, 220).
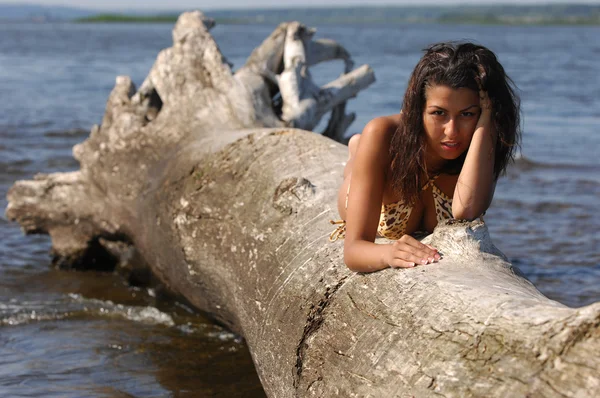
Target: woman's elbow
(352, 256)
(470, 210)
(349, 261)
(352, 268)
(468, 213)
(464, 215)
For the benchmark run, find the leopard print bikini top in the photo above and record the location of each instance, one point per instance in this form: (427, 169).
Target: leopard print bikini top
(394, 216)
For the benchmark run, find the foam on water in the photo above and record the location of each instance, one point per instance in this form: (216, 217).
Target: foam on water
(76, 306)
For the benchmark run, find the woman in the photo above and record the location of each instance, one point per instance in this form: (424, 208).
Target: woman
(438, 159)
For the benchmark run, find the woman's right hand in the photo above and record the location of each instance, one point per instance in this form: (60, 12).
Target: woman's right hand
(407, 252)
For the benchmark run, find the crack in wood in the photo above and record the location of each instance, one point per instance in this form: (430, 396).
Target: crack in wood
(314, 321)
(382, 319)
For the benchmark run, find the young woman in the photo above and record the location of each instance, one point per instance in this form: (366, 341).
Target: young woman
(438, 159)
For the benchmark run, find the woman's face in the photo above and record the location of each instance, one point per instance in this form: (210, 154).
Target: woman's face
(449, 119)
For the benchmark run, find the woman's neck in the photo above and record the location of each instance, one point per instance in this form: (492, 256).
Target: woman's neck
(434, 164)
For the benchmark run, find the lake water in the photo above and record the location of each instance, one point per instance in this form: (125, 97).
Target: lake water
(72, 334)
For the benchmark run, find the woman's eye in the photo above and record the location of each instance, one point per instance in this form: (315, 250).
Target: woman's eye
(468, 114)
(437, 113)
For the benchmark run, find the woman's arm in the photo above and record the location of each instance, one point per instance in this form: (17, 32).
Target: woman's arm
(476, 183)
(367, 186)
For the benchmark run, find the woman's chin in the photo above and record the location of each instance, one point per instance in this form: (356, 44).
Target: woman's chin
(450, 153)
(443, 155)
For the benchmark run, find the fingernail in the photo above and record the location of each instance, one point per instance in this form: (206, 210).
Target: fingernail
(431, 259)
(411, 264)
(437, 256)
(423, 261)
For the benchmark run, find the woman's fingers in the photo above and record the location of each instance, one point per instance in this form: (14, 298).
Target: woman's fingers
(485, 118)
(417, 248)
(484, 100)
(399, 263)
(408, 252)
(432, 248)
(410, 255)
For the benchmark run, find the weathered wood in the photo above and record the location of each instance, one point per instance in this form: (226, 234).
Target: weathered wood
(304, 103)
(229, 208)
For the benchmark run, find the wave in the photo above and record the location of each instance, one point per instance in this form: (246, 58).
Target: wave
(76, 306)
(15, 167)
(524, 163)
(67, 133)
(9, 128)
(535, 207)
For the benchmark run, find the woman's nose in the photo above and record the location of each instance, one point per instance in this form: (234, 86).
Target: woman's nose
(451, 128)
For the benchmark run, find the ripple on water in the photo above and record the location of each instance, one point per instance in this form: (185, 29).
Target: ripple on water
(76, 132)
(114, 349)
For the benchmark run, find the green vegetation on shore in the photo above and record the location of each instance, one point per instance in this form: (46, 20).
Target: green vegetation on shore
(555, 14)
(129, 18)
(165, 18)
(525, 20)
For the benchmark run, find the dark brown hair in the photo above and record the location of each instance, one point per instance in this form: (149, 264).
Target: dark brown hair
(455, 65)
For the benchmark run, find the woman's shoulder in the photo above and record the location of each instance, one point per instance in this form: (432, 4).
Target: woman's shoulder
(375, 141)
(385, 125)
(379, 131)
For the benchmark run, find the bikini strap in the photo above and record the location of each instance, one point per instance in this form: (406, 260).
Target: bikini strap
(430, 182)
(339, 232)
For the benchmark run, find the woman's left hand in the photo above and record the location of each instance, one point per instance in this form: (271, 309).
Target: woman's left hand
(485, 104)
(485, 118)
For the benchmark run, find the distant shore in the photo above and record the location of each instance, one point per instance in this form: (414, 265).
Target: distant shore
(329, 19)
(526, 20)
(167, 18)
(567, 13)
(120, 18)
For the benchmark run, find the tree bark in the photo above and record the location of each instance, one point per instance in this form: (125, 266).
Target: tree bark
(201, 174)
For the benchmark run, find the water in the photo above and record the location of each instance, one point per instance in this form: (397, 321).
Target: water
(90, 334)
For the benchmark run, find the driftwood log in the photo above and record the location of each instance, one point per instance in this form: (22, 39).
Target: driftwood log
(206, 177)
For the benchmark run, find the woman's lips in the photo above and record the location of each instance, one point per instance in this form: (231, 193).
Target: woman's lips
(450, 146)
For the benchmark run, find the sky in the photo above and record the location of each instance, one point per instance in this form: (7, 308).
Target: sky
(222, 4)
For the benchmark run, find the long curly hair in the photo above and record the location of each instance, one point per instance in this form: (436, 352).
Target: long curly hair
(456, 65)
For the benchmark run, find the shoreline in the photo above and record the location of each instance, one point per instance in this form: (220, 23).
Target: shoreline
(446, 20)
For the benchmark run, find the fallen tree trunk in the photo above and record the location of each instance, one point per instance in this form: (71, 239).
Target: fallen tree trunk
(202, 175)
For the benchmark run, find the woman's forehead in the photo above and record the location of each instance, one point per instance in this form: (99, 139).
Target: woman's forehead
(446, 94)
